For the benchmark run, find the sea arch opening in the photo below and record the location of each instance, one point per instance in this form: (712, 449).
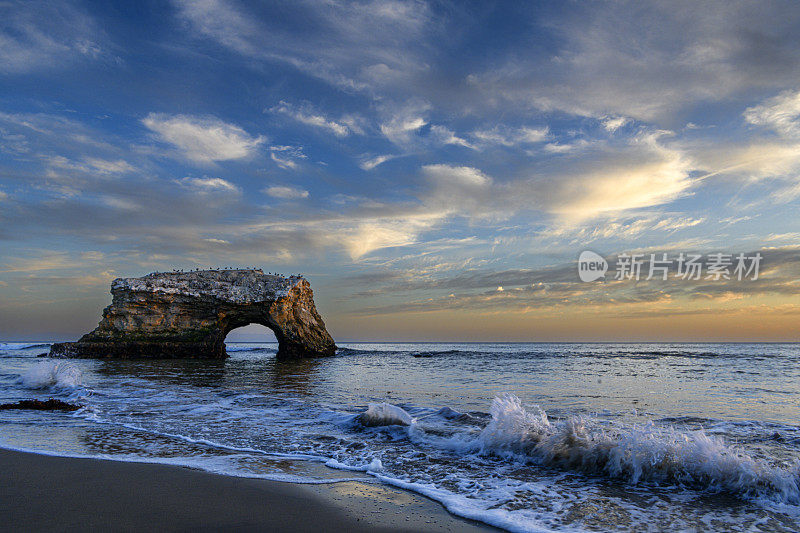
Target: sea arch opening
(250, 336)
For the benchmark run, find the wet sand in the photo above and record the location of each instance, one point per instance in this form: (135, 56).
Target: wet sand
(45, 493)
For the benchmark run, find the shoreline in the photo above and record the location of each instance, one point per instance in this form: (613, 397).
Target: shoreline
(49, 492)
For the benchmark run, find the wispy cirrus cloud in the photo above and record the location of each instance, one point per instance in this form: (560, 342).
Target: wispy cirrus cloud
(652, 62)
(445, 136)
(780, 114)
(370, 163)
(770, 152)
(512, 136)
(287, 157)
(308, 116)
(351, 46)
(91, 164)
(51, 36)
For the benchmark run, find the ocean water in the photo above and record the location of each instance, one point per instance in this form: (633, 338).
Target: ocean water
(526, 437)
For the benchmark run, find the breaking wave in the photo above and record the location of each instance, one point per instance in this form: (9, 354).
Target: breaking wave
(385, 414)
(52, 374)
(637, 454)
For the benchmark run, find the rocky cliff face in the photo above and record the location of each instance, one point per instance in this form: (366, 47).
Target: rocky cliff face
(188, 315)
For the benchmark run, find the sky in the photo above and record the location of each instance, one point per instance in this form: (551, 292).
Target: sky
(433, 168)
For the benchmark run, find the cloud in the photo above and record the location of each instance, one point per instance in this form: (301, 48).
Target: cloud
(512, 136)
(91, 165)
(780, 114)
(369, 237)
(52, 136)
(288, 156)
(625, 228)
(548, 287)
(209, 185)
(203, 139)
(754, 161)
(372, 162)
(407, 127)
(445, 136)
(786, 194)
(562, 148)
(311, 118)
(283, 162)
(43, 35)
(119, 166)
(401, 129)
(286, 193)
(36, 260)
(120, 204)
(761, 157)
(456, 188)
(612, 124)
(379, 233)
(650, 63)
(644, 174)
(340, 43)
(222, 21)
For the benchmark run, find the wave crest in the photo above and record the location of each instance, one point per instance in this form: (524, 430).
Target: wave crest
(385, 414)
(52, 374)
(647, 453)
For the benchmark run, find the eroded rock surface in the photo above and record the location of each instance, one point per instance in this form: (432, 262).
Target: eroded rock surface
(188, 315)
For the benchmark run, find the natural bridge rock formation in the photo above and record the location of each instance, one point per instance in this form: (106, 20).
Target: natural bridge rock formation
(188, 315)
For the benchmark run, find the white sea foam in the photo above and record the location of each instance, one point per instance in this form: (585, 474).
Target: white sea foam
(52, 374)
(470, 508)
(375, 465)
(636, 454)
(385, 414)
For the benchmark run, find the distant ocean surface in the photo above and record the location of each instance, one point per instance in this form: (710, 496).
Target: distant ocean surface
(526, 437)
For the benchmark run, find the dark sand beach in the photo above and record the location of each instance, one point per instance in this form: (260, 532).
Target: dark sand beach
(47, 493)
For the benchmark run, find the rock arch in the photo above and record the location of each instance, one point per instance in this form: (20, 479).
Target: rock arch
(188, 315)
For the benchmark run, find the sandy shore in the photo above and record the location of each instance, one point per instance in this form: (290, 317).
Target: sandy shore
(44, 493)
